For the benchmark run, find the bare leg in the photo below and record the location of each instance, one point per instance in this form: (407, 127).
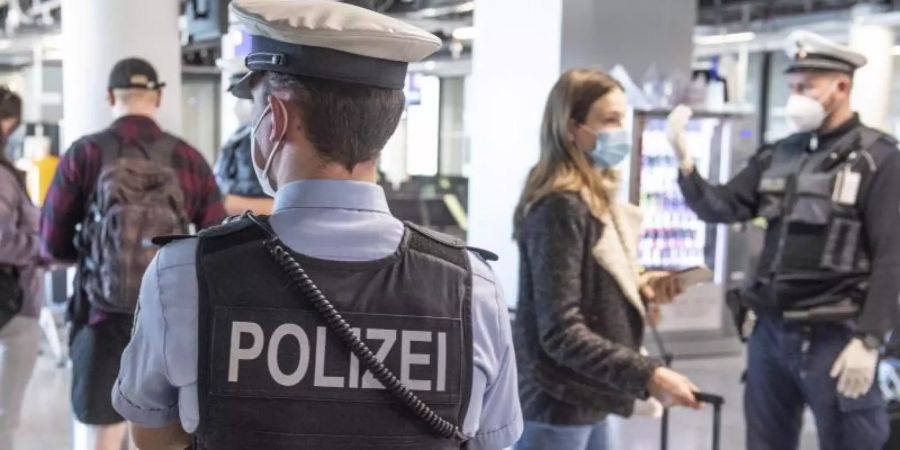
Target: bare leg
(99, 437)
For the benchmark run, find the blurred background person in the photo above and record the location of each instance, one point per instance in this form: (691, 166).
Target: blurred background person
(234, 167)
(21, 279)
(114, 191)
(11, 125)
(582, 305)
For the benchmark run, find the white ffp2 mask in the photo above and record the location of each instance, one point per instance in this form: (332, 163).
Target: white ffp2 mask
(804, 113)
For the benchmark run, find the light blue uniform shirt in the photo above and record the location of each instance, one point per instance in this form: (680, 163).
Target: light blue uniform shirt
(337, 220)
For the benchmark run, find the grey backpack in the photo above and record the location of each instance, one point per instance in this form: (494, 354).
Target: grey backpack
(137, 198)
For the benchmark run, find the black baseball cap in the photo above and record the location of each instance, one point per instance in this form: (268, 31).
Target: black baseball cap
(134, 73)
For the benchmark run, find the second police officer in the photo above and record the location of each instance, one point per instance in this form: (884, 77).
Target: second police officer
(235, 176)
(827, 284)
(234, 347)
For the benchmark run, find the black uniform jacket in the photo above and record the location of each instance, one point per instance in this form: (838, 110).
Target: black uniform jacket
(878, 204)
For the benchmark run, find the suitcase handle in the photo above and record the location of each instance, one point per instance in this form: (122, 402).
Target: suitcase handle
(712, 399)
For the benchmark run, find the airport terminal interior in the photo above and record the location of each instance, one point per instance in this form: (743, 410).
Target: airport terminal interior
(469, 135)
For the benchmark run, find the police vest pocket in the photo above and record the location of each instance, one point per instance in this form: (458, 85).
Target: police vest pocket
(813, 203)
(771, 194)
(841, 244)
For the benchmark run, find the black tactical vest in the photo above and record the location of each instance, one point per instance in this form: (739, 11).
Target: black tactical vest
(815, 253)
(271, 374)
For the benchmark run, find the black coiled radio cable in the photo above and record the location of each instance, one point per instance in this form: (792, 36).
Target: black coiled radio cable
(309, 291)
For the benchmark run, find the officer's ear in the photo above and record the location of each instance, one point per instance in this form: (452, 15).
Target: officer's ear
(279, 118)
(158, 98)
(844, 84)
(110, 98)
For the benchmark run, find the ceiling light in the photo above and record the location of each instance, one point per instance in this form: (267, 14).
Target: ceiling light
(720, 39)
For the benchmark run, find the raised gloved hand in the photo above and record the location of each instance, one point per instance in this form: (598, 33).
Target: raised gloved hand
(855, 369)
(675, 124)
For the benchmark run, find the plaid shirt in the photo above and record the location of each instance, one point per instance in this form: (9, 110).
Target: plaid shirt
(76, 177)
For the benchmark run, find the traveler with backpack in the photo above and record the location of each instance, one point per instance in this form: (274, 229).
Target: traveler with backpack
(113, 192)
(20, 279)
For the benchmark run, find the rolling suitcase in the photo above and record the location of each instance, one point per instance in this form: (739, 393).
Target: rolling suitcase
(715, 400)
(893, 442)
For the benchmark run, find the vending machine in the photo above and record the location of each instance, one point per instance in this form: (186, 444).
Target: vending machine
(674, 238)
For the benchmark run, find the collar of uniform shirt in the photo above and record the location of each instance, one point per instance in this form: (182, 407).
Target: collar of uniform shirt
(826, 139)
(336, 194)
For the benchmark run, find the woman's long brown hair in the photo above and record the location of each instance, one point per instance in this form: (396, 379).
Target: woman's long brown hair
(562, 167)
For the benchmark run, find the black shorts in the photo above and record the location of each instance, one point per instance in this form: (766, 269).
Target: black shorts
(96, 353)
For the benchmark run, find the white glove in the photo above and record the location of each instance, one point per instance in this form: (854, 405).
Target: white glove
(675, 124)
(856, 367)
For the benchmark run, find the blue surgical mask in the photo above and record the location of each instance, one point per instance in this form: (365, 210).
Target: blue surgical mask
(612, 147)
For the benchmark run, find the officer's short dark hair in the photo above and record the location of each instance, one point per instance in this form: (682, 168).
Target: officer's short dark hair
(347, 123)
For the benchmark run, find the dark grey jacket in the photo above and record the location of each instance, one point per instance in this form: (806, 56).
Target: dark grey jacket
(19, 243)
(878, 215)
(577, 336)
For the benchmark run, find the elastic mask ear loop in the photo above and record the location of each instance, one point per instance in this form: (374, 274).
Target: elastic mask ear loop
(262, 116)
(279, 143)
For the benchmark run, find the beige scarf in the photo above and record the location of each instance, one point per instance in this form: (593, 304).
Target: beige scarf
(616, 251)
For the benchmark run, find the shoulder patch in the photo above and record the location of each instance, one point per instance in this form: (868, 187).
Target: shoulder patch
(485, 255)
(436, 236)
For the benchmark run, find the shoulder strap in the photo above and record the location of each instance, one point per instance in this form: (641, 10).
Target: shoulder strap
(869, 136)
(235, 224)
(857, 140)
(162, 150)
(486, 255)
(440, 245)
(451, 241)
(436, 236)
(110, 145)
(162, 241)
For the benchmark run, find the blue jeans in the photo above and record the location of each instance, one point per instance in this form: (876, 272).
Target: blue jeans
(543, 436)
(788, 368)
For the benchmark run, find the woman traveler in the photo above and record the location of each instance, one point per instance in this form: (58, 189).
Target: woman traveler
(582, 305)
(20, 279)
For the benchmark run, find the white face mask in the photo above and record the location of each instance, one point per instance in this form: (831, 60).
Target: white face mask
(262, 174)
(805, 113)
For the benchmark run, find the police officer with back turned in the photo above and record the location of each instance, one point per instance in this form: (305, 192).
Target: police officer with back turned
(330, 324)
(826, 288)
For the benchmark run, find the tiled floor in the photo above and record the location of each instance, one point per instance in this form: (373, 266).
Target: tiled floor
(47, 425)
